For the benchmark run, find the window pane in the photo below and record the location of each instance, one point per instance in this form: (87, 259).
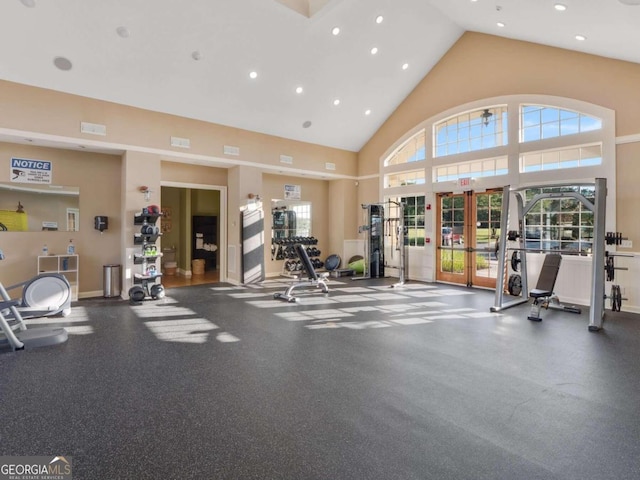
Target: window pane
(550, 130)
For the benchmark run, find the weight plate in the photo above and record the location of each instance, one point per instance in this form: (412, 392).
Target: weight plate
(515, 285)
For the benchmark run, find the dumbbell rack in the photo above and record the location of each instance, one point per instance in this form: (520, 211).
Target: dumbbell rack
(283, 249)
(147, 238)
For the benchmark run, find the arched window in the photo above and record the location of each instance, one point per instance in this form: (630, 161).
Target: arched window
(413, 150)
(471, 131)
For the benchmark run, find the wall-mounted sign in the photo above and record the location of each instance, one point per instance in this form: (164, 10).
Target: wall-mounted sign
(292, 192)
(30, 171)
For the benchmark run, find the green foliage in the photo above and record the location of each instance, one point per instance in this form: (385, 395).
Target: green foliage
(455, 263)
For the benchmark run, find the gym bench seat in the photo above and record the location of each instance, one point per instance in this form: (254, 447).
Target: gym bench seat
(313, 279)
(543, 295)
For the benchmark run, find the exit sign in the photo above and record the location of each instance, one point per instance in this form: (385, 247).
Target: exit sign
(465, 182)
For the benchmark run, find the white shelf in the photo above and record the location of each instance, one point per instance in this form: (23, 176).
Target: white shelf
(67, 265)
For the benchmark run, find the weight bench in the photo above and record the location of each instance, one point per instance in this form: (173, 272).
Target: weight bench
(313, 281)
(543, 295)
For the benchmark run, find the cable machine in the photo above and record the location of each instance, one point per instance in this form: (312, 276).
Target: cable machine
(380, 231)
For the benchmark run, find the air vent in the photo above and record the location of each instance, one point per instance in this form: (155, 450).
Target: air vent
(180, 142)
(286, 159)
(330, 166)
(229, 150)
(93, 128)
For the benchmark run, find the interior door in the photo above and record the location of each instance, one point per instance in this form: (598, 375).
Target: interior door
(469, 226)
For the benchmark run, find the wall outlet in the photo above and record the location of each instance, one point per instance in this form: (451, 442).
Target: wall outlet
(626, 244)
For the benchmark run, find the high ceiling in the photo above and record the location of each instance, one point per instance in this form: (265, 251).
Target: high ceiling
(193, 58)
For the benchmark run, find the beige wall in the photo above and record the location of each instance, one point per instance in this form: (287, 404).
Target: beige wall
(482, 66)
(43, 111)
(193, 174)
(98, 177)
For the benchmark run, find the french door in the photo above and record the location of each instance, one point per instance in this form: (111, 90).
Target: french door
(467, 232)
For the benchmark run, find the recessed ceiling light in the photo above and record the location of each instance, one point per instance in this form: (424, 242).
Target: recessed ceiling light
(299, 90)
(474, 1)
(336, 102)
(335, 30)
(560, 7)
(374, 50)
(63, 63)
(122, 32)
(367, 112)
(253, 75)
(28, 3)
(581, 38)
(379, 19)
(405, 66)
(500, 24)
(306, 124)
(196, 55)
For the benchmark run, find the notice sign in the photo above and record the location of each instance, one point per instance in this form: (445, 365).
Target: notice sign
(30, 171)
(292, 192)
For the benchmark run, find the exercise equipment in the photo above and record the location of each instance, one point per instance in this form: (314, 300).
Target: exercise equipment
(44, 295)
(543, 295)
(597, 206)
(332, 262)
(377, 228)
(515, 284)
(313, 279)
(14, 332)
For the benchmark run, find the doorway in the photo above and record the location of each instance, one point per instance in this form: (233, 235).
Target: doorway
(467, 232)
(194, 228)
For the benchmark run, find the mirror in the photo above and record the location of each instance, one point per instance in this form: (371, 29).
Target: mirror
(291, 218)
(34, 208)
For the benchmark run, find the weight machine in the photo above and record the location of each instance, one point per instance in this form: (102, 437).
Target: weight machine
(597, 207)
(379, 230)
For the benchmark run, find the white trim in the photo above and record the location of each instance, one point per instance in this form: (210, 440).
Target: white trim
(628, 139)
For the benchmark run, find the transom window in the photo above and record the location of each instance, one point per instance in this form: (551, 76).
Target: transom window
(562, 158)
(538, 122)
(412, 151)
(401, 179)
(471, 131)
(475, 168)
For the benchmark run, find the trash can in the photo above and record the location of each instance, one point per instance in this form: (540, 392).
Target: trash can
(197, 266)
(112, 280)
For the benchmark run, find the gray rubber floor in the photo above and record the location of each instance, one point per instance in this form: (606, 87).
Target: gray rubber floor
(223, 382)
